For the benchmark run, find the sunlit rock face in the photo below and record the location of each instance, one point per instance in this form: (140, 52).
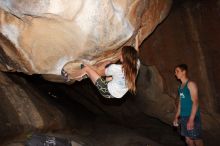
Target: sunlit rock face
(40, 37)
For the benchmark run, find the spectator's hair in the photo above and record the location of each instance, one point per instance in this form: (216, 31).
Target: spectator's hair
(182, 67)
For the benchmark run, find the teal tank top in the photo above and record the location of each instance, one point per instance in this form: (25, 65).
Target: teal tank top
(185, 101)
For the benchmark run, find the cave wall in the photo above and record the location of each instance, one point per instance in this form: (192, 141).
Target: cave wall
(26, 108)
(190, 34)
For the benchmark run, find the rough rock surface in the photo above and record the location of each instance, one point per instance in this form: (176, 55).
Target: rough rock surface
(23, 109)
(31, 105)
(40, 37)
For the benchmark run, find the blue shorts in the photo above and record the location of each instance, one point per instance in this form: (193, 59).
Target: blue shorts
(195, 133)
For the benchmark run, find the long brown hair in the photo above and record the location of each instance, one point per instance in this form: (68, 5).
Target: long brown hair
(129, 66)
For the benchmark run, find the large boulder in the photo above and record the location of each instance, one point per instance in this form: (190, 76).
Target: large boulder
(40, 37)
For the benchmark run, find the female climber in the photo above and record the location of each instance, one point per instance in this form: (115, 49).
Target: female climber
(118, 78)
